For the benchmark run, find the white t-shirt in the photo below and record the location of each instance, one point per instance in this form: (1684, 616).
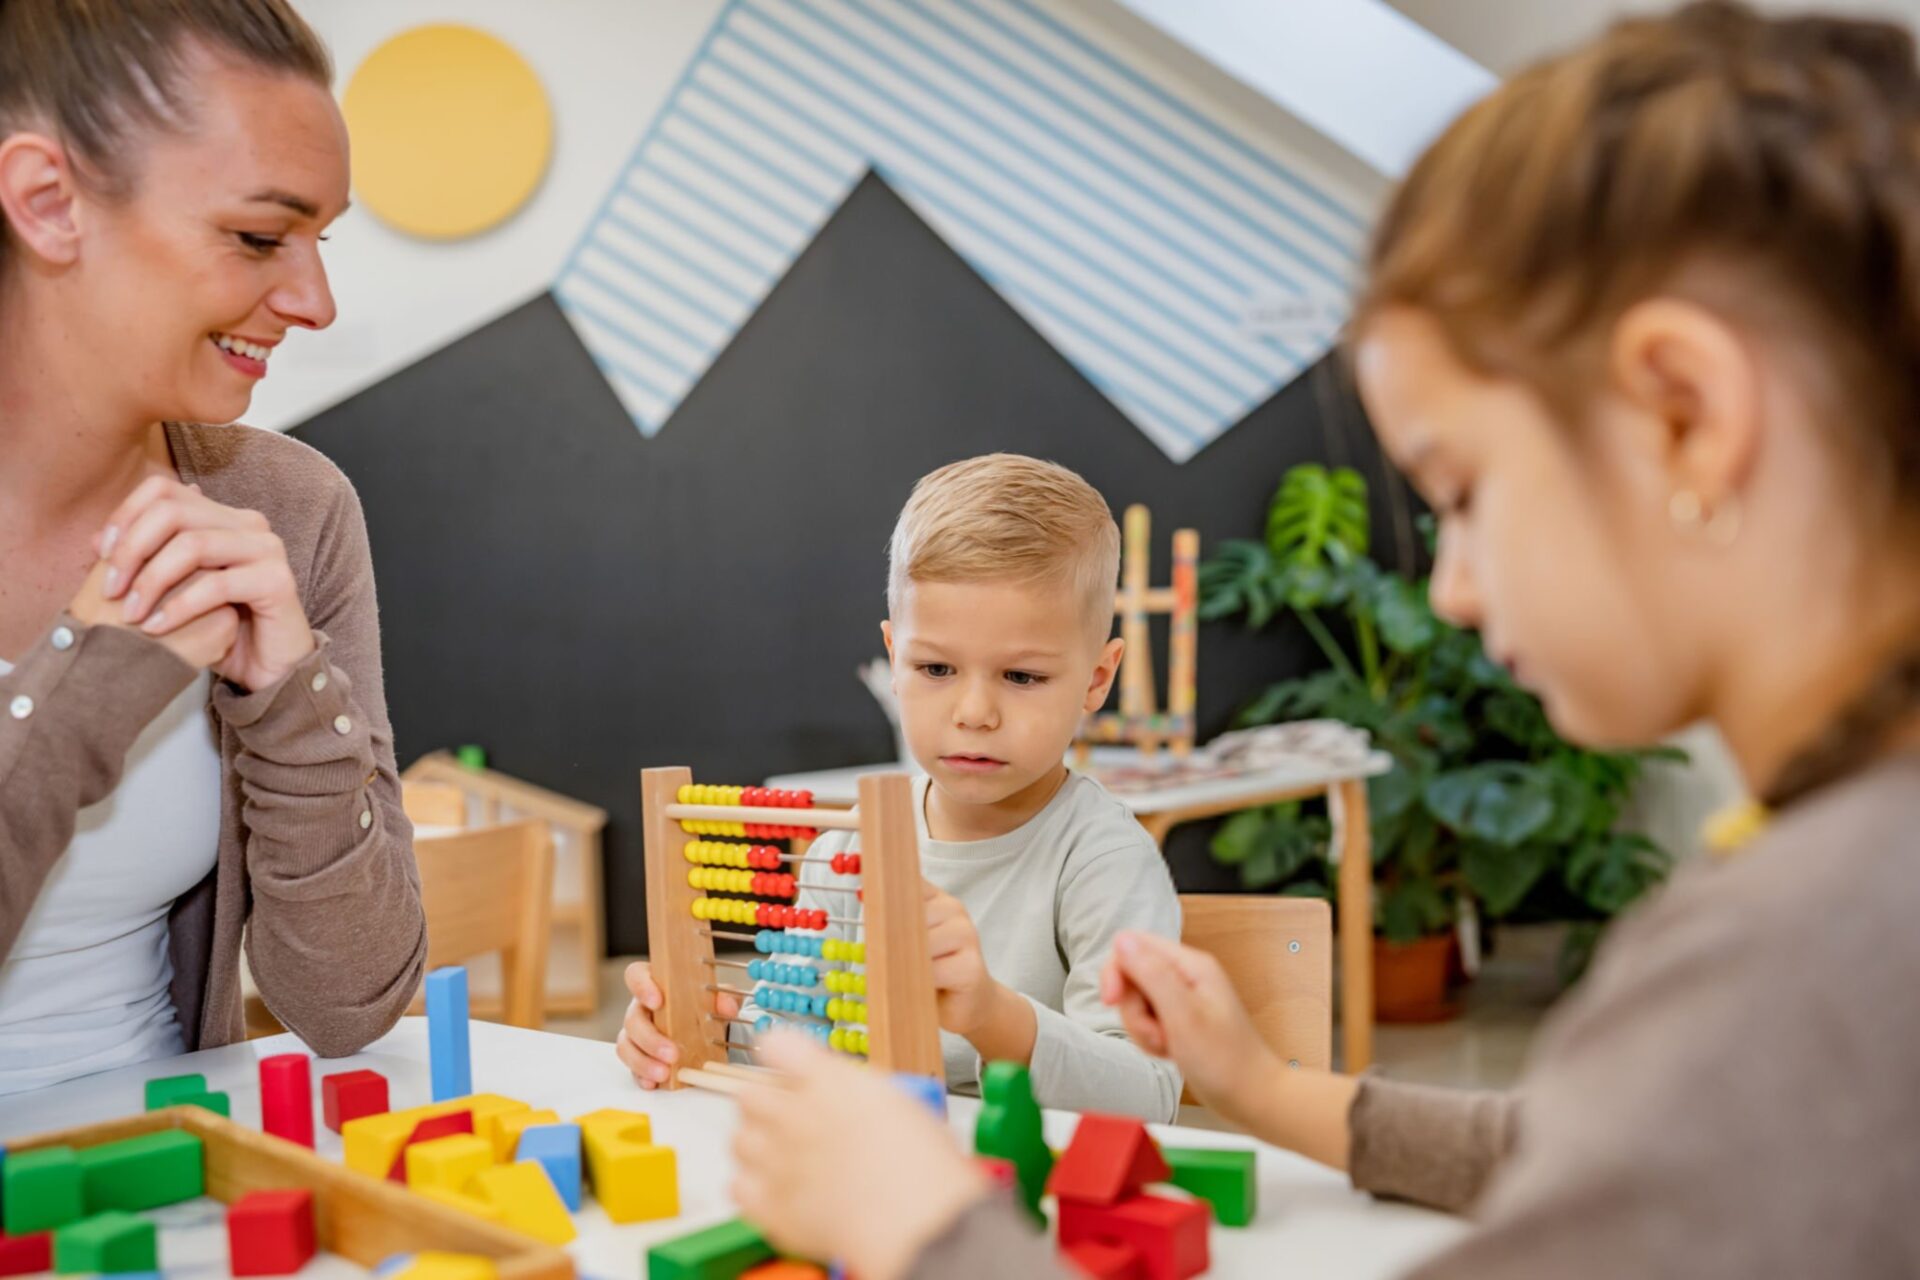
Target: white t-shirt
(85, 988)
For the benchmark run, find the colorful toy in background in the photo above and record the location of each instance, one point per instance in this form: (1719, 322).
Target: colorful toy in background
(1137, 722)
(856, 975)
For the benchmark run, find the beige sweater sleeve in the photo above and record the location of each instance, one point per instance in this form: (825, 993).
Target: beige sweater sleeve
(1429, 1145)
(336, 937)
(69, 713)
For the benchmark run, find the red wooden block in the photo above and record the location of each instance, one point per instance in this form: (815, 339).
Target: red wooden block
(1109, 1159)
(24, 1255)
(270, 1233)
(1103, 1261)
(1169, 1235)
(348, 1095)
(426, 1130)
(785, 1269)
(286, 1098)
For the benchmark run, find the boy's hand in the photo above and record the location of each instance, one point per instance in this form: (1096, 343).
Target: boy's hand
(839, 1135)
(995, 1019)
(642, 1046)
(1177, 1003)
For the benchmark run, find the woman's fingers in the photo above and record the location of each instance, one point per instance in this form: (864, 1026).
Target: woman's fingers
(163, 509)
(188, 552)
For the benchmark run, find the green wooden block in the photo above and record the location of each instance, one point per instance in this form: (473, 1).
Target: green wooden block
(1009, 1127)
(1224, 1179)
(146, 1172)
(41, 1190)
(167, 1090)
(720, 1252)
(113, 1242)
(214, 1102)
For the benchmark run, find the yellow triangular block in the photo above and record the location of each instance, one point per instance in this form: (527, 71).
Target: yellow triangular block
(373, 1143)
(465, 1203)
(524, 1194)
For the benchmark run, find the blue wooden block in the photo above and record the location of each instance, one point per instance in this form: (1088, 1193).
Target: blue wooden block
(448, 1051)
(931, 1093)
(557, 1148)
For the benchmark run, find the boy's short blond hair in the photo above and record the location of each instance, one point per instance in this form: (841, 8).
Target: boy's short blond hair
(1003, 517)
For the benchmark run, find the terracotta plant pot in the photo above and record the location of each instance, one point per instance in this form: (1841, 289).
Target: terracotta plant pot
(1410, 980)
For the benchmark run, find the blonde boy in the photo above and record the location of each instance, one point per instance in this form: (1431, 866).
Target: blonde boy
(1000, 596)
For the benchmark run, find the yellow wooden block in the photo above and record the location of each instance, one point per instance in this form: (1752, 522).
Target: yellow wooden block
(524, 1194)
(635, 1126)
(508, 1128)
(373, 1143)
(487, 1110)
(432, 1265)
(467, 1203)
(448, 1162)
(634, 1180)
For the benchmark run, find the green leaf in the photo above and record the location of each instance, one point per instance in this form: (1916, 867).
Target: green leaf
(1315, 509)
(1500, 877)
(1239, 836)
(1412, 910)
(1406, 621)
(1613, 870)
(1500, 802)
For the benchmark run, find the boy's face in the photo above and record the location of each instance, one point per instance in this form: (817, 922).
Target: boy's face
(993, 679)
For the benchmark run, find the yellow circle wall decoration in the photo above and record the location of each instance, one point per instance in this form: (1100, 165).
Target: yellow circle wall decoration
(451, 131)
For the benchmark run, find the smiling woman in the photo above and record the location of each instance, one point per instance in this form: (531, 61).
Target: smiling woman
(195, 743)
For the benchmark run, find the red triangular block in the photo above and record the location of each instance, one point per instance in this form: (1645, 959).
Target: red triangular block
(1109, 1159)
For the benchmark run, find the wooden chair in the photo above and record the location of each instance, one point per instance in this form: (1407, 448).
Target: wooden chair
(491, 889)
(433, 804)
(1278, 952)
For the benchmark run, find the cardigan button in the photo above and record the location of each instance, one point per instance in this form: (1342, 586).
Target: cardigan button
(319, 681)
(342, 725)
(63, 638)
(21, 707)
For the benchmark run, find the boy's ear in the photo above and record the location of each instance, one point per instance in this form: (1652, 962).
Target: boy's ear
(886, 637)
(1105, 668)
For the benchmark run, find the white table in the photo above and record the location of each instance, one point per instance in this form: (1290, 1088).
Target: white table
(1163, 808)
(1311, 1222)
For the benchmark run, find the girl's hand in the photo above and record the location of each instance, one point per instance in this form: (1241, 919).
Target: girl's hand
(1177, 1003)
(199, 642)
(174, 555)
(839, 1135)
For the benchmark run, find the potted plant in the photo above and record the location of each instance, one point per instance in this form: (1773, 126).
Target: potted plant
(1487, 811)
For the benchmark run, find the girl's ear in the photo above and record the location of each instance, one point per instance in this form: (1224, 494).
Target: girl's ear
(1695, 382)
(38, 197)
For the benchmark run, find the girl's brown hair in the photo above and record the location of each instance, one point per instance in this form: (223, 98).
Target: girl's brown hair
(1784, 151)
(93, 72)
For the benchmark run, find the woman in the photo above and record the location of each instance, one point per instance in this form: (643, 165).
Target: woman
(194, 744)
(1644, 327)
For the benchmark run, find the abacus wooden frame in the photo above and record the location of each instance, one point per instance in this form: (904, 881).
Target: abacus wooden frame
(903, 1028)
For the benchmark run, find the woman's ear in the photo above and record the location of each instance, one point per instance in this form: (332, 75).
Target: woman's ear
(38, 197)
(1695, 383)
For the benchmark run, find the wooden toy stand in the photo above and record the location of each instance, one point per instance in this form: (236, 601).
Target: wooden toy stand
(1138, 722)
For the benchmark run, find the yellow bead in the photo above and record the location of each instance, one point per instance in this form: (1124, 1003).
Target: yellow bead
(859, 983)
(859, 952)
(684, 795)
(837, 1038)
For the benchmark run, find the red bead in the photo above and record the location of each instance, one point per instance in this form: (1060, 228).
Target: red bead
(860, 895)
(803, 800)
(270, 1233)
(819, 919)
(790, 885)
(839, 864)
(853, 864)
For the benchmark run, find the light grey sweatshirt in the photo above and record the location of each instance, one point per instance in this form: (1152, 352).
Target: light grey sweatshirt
(1047, 899)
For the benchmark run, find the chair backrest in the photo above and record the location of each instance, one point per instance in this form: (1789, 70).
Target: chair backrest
(1278, 952)
(491, 889)
(433, 804)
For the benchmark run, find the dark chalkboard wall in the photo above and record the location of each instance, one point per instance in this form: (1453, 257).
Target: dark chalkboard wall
(584, 601)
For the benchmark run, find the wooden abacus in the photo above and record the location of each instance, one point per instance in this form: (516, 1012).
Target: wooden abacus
(715, 858)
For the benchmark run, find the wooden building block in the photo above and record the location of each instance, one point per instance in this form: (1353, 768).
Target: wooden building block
(111, 1243)
(1226, 1179)
(270, 1233)
(1008, 1126)
(464, 1201)
(348, 1095)
(785, 1269)
(525, 1195)
(488, 1109)
(165, 1091)
(452, 1124)
(449, 1053)
(719, 1252)
(436, 1265)
(41, 1190)
(1169, 1235)
(1109, 1159)
(143, 1173)
(24, 1255)
(218, 1103)
(450, 1162)
(556, 1148)
(633, 1179)
(286, 1098)
(508, 1128)
(374, 1143)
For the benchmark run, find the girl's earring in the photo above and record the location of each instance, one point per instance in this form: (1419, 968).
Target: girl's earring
(1721, 526)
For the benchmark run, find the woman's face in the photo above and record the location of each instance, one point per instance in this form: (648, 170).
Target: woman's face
(1552, 539)
(191, 281)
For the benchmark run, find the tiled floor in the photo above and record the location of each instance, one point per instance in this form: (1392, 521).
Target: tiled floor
(1483, 1048)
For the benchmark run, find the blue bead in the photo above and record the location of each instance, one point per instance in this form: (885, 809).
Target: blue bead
(763, 943)
(764, 1025)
